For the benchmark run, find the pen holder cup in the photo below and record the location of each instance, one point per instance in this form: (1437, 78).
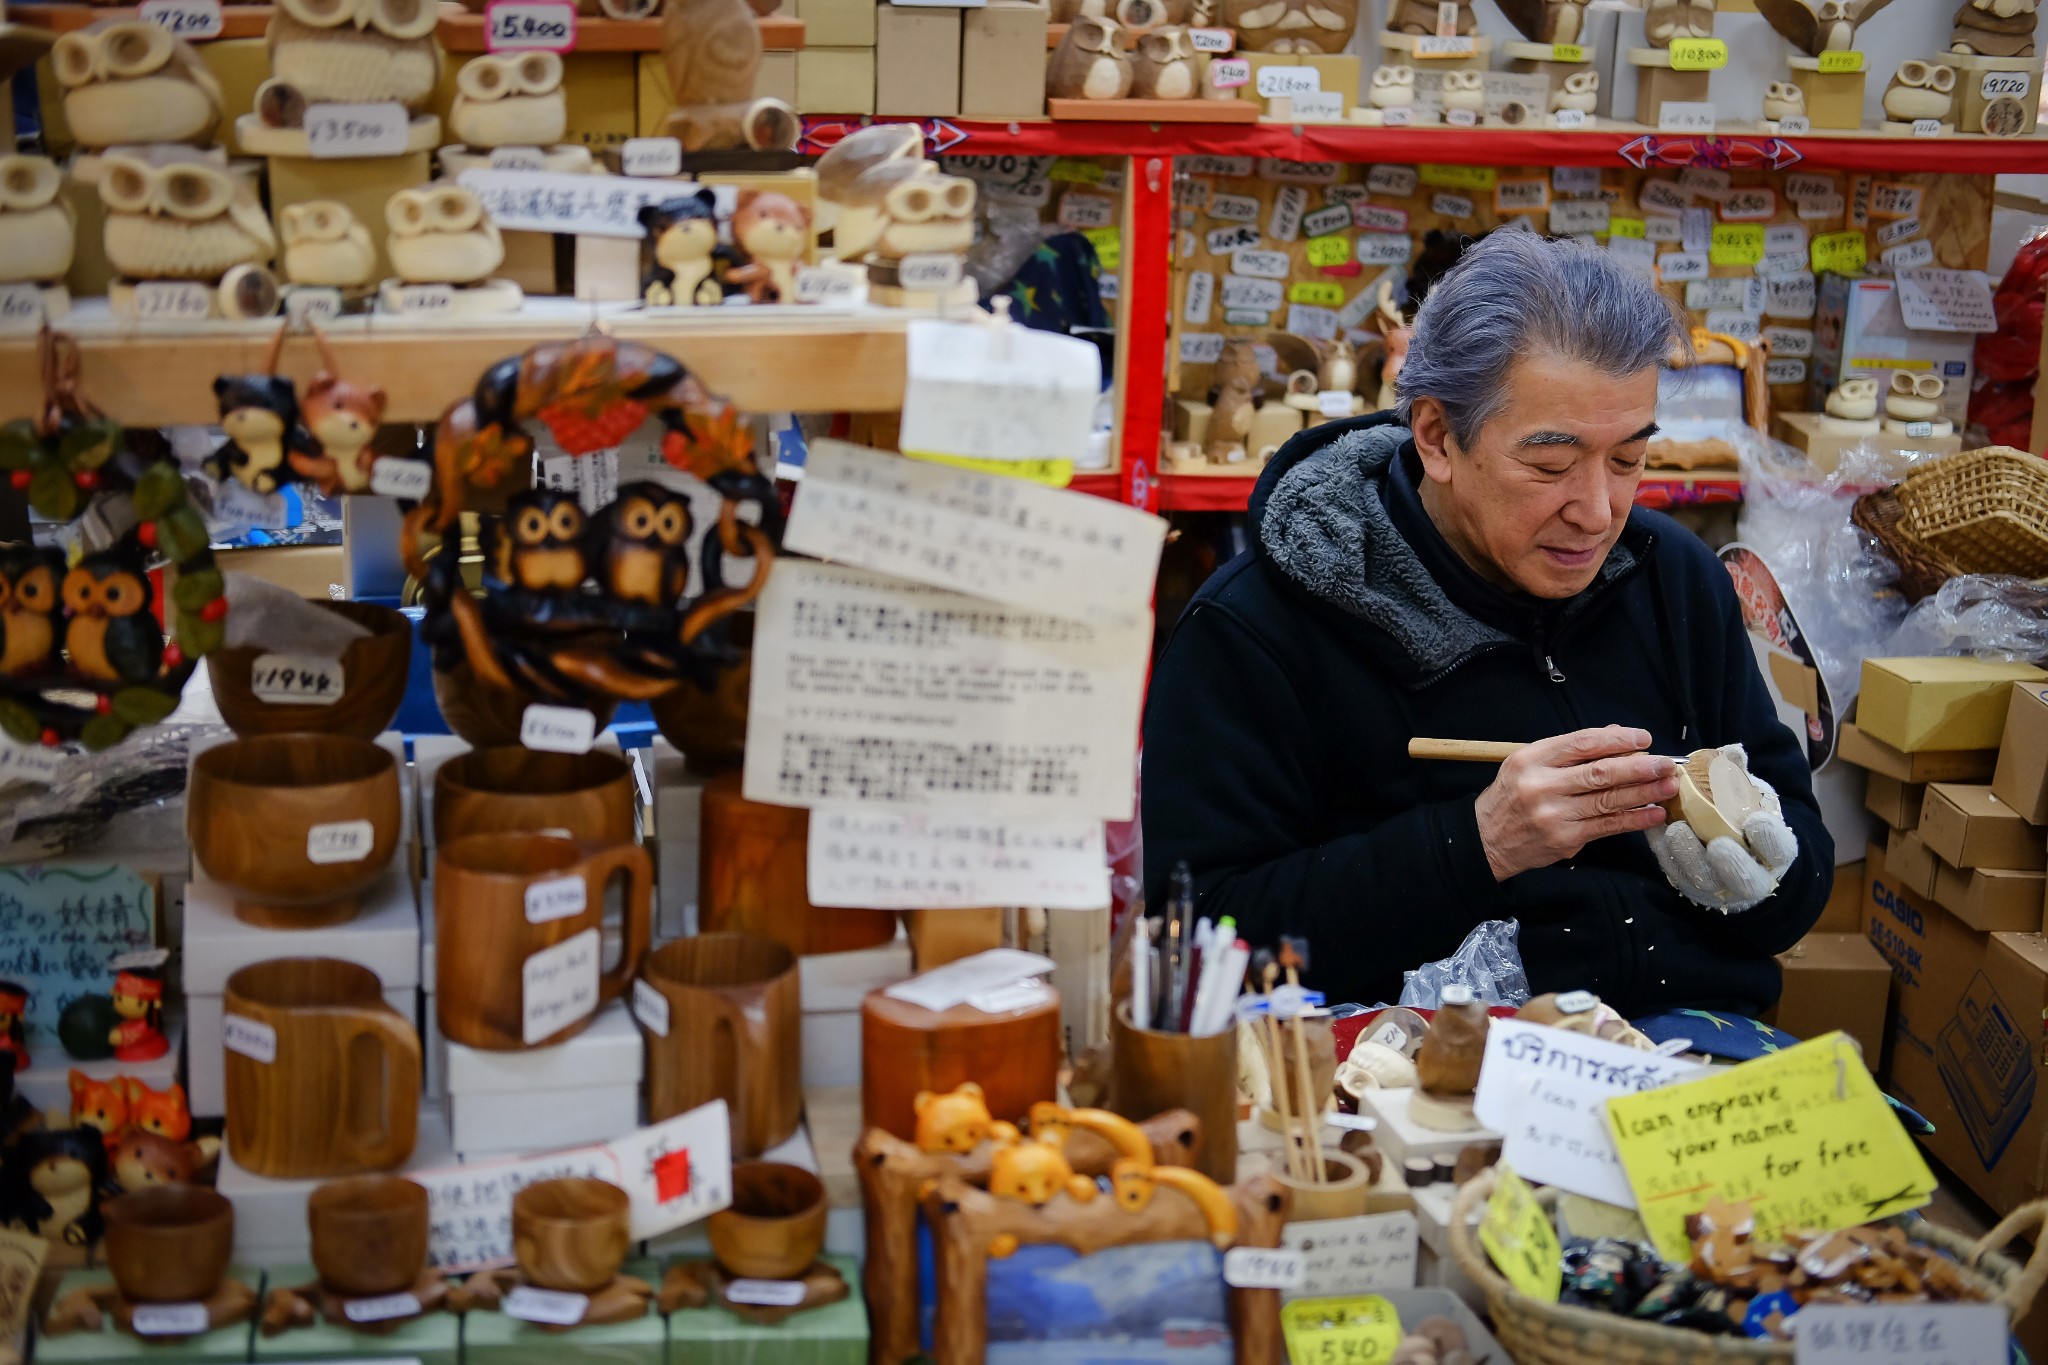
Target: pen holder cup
(1155, 1071)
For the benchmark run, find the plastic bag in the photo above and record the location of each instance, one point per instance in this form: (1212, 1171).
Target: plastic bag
(1985, 615)
(1489, 961)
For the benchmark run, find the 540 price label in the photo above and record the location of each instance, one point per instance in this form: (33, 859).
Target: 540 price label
(522, 25)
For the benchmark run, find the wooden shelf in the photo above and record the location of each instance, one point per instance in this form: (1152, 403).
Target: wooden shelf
(763, 360)
(464, 33)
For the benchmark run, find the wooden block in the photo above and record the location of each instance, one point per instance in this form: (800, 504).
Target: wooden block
(1814, 433)
(835, 80)
(2000, 95)
(776, 80)
(1002, 60)
(1155, 111)
(607, 269)
(917, 60)
(1657, 86)
(1191, 420)
(1834, 99)
(941, 936)
(838, 23)
(1272, 426)
(1339, 73)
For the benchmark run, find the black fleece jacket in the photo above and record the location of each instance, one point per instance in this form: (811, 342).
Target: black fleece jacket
(1277, 727)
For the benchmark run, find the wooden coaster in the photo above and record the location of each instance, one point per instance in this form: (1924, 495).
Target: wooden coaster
(83, 1310)
(287, 1308)
(623, 1300)
(696, 1284)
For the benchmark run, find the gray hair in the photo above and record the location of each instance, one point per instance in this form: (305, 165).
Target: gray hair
(1516, 293)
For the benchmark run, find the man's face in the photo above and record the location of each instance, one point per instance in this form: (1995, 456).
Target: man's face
(1544, 491)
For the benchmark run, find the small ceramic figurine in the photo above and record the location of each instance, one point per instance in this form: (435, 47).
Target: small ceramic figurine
(1664, 20)
(260, 414)
(37, 225)
(1547, 21)
(1783, 100)
(539, 548)
(138, 1159)
(1419, 17)
(1298, 26)
(956, 1121)
(639, 551)
(130, 81)
(773, 232)
(1817, 26)
(349, 52)
(325, 245)
(510, 101)
(184, 221)
(712, 49)
(1089, 63)
(13, 1033)
(1579, 91)
(138, 991)
(683, 237)
(1230, 421)
(1165, 66)
(1996, 28)
(29, 579)
(1915, 400)
(1393, 87)
(1921, 90)
(53, 1183)
(1464, 91)
(1447, 1063)
(100, 1105)
(113, 638)
(342, 418)
(1033, 1172)
(161, 1112)
(1852, 406)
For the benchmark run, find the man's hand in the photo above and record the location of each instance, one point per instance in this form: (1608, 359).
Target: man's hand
(1555, 796)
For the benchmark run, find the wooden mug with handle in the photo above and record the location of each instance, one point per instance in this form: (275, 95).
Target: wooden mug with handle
(323, 1076)
(731, 1028)
(519, 938)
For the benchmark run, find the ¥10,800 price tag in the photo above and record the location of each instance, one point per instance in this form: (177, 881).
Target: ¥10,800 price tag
(522, 25)
(1262, 1268)
(340, 841)
(300, 679)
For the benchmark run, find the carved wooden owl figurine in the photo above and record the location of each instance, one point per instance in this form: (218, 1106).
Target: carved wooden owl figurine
(1292, 25)
(1165, 66)
(439, 235)
(510, 101)
(356, 51)
(1664, 20)
(1996, 28)
(1921, 90)
(1419, 17)
(184, 221)
(1783, 100)
(1089, 63)
(1817, 26)
(1853, 400)
(131, 81)
(324, 244)
(1547, 21)
(1393, 87)
(1914, 397)
(1464, 90)
(928, 211)
(1580, 91)
(36, 224)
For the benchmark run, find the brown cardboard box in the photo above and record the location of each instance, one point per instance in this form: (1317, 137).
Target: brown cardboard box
(917, 60)
(1968, 826)
(1836, 981)
(1852, 745)
(1991, 898)
(2021, 780)
(837, 23)
(776, 78)
(1933, 956)
(835, 80)
(1002, 60)
(1843, 914)
(1338, 73)
(1938, 703)
(1894, 802)
(1909, 862)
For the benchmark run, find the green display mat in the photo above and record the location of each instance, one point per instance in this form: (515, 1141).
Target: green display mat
(111, 1343)
(494, 1339)
(836, 1334)
(432, 1338)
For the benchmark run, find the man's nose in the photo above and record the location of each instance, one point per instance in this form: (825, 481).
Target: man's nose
(1586, 507)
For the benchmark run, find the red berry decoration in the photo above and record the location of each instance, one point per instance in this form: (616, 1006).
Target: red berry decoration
(87, 479)
(20, 479)
(214, 610)
(146, 534)
(49, 739)
(105, 704)
(173, 656)
(580, 428)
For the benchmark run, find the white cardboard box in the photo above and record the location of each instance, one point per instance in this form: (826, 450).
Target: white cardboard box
(206, 1063)
(833, 982)
(384, 936)
(270, 1215)
(514, 1123)
(607, 1054)
(1400, 1137)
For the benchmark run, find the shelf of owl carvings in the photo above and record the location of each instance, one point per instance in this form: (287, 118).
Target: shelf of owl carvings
(462, 34)
(237, 21)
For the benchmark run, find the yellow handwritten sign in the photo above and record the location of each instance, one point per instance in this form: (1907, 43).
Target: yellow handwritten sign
(1698, 54)
(1051, 473)
(1634, 228)
(1845, 253)
(1362, 1329)
(1736, 244)
(1332, 250)
(1109, 246)
(1803, 1136)
(1518, 1235)
(1567, 52)
(1320, 293)
(1458, 177)
(1840, 63)
(1077, 172)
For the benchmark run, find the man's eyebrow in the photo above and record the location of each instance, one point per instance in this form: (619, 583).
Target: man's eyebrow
(1645, 434)
(1553, 438)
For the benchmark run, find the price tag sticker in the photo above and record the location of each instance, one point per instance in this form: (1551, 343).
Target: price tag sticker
(1844, 253)
(832, 283)
(1279, 81)
(766, 1293)
(1357, 1123)
(1080, 209)
(1685, 116)
(650, 1007)
(1919, 428)
(1445, 176)
(28, 762)
(1325, 251)
(1787, 372)
(1792, 296)
(1229, 73)
(1323, 222)
(556, 898)
(1201, 348)
(1334, 403)
(1452, 206)
(310, 305)
(549, 1306)
(1749, 206)
(395, 477)
(21, 307)
(2012, 84)
(1396, 182)
(1398, 117)
(1580, 216)
(1318, 293)
(170, 1319)
(251, 1038)
(1518, 1235)
(1901, 1334)
(192, 20)
(1378, 218)
(524, 25)
(1790, 343)
(299, 679)
(558, 729)
(1432, 47)
(518, 159)
(1675, 267)
(1698, 54)
(1262, 1268)
(1910, 256)
(1265, 265)
(929, 273)
(1363, 1328)
(1823, 208)
(1214, 40)
(1462, 118)
(1384, 248)
(1567, 52)
(1568, 118)
(424, 300)
(1521, 196)
(383, 1308)
(173, 301)
(335, 131)
(1795, 125)
(340, 841)
(1928, 127)
(651, 156)
(1840, 63)
(1736, 244)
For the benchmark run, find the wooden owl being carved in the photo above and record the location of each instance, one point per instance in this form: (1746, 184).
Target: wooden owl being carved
(184, 221)
(1817, 26)
(1300, 26)
(129, 80)
(355, 51)
(1921, 90)
(1547, 21)
(324, 244)
(1664, 20)
(1089, 64)
(510, 101)
(439, 235)
(1165, 66)
(1853, 400)
(36, 224)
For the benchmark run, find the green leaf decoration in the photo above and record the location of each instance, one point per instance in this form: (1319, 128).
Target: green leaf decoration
(194, 590)
(104, 732)
(158, 491)
(18, 445)
(89, 445)
(20, 723)
(181, 534)
(52, 493)
(196, 636)
(141, 706)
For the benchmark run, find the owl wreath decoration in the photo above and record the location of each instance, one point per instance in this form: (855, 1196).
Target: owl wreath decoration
(82, 652)
(582, 607)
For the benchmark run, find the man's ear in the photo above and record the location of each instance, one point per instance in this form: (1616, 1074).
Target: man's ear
(1433, 439)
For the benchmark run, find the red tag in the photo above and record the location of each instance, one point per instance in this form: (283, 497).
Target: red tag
(671, 1176)
(1345, 270)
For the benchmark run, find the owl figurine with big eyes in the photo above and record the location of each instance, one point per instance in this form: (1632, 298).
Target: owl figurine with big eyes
(538, 546)
(189, 220)
(325, 245)
(1393, 87)
(130, 81)
(514, 100)
(1921, 90)
(1090, 62)
(1464, 90)
(638, 548)
(349, 52)
(37, 225)
(1852, 406)
(112, 636)
(440, 235)
(30, 576)
(1579, 91)
(1783, 100)
(1165, 66)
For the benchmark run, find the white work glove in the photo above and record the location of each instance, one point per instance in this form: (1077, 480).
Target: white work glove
(1724, 875)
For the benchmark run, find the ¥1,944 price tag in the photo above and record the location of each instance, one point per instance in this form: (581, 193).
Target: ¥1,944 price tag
(1262, 1268)
(300, 679)
(523, 25)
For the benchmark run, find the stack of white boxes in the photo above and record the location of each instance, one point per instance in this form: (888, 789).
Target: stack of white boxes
(678, 834)
(583, 1091)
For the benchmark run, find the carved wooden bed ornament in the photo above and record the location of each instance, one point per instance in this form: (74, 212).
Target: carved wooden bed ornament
(581, 610)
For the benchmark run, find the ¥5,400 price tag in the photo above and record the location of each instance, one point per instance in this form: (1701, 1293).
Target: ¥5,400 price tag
(519, 25)
(301, 679)
(1362, 1328)
(1517, 1234)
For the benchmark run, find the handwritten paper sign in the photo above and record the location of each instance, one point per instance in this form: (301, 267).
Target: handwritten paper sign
(559, 986)
(1003, 539)
(580, 205)
(874, 690)
(64, 926)
(1002, 393)
(1518, 1235)
(1901, 1334)
(868, 858)
(1947, 301)
(1353, 1255)
(1546, 1091)
(1804, 1136)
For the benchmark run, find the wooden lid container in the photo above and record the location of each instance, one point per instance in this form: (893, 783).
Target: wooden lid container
(751, 878)
(904, 1048)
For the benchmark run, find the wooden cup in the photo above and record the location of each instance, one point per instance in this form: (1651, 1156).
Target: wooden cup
(340, 1091)
(1157, 1071)
(750, 878)
(264, 814)
(373, 671)
(582, 796)
(735, 1032)
(1344, 1193)
(169, 1243)
(775, 1227)
(369, 1234)
(571, 1234)
(496, 903)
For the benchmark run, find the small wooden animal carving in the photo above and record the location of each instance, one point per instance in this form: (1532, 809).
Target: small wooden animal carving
(956, 1120)
(441, 235)
(1921, 90)
(1301, 26)
(128, 81)
(1418, 17)
(1854, 400)
(1817, 26)
(847, 178)
(1464, 90)
(183, 221)
(162, 1112)
(98, 1104)
(773, 231)
(138, 1159)
(260, 414)
(684, 237)
(1089, 63)
(350, 52)
(112, 637)
(712, 49)
(1580, 91)
(1664, 20)
(1547, 21)
(342, 418)
(514, 100)
(1783, 100)
(1916, 398)
(324, 244)
(37, 224)
(1996, 28)
(1393, 87)
(1230, 422)
(1165, 67)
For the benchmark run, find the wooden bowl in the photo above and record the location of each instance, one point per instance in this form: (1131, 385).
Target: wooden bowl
(486, 715)
(776, 1225)
(169, 1243)
(373, 681)
(510, 789)
(571, 1234)
(252, 812)
(369, 1234)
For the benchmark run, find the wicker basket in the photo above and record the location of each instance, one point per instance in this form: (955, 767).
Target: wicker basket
(1986, 510)
(1921, 571)
(1538, 1333)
